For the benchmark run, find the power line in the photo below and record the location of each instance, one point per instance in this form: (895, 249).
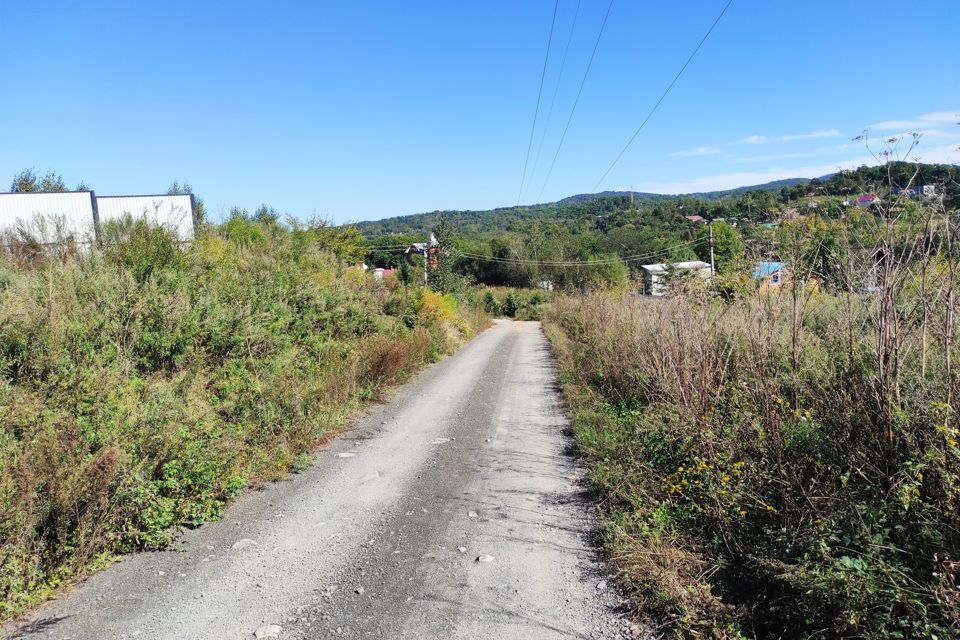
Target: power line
(556, 90)
(579, 263)
(573, 109)
(536, 111)
(657, 105)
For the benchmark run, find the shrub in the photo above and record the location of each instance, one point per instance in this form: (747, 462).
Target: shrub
(143, 385)
(753, 482)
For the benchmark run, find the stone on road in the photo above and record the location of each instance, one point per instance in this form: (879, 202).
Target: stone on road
(471, 454)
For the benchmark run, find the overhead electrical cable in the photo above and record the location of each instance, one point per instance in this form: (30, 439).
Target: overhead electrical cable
(536, 111)
(556, 90)
(579, 263)
(576, 101)
(664, 95)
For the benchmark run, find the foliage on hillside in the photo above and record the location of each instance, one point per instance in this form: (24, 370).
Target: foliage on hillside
(144, 384)
(599, 212)
(525, 246)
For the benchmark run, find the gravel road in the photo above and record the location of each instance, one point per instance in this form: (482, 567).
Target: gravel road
(451, 511)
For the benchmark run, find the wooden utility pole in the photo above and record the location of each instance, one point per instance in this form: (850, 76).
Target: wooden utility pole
(710, 226)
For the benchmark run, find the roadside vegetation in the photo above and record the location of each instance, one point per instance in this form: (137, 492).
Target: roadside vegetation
(144, 383)
(783, 462)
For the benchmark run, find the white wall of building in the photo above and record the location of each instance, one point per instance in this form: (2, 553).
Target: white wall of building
(57, 217)
(49, 217)
(173, 212)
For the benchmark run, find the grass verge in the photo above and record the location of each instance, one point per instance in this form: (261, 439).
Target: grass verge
(754, 480)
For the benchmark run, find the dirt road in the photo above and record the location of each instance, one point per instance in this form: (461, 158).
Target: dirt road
(451, 511)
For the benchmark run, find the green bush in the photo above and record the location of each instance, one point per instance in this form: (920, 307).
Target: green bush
(522, 304)
(144, 384)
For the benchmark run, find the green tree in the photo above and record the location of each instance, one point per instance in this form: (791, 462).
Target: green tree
(728, 248)
(403, 273)
(490, 303)
(511, 305)
(27, 181)
(24, 182)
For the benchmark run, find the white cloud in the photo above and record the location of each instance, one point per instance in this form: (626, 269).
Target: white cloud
(754, 140)
(787, 156)
(947, 154)
(697, 151)
(813, 135)
(771, 158)
(733, 180)
(919, 122)
(819, 133)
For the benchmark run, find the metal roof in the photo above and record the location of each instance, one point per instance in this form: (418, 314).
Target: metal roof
(691, 264)
(765, 269)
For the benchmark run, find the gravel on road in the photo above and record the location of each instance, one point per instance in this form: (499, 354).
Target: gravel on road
(453, 510)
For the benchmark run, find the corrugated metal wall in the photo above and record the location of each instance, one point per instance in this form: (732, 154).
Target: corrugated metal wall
(49, 217)
(173, 212)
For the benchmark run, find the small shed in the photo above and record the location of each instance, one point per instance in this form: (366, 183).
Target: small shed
(771, 275)
(656, 277)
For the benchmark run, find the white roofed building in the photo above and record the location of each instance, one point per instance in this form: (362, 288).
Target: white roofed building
(656, 277)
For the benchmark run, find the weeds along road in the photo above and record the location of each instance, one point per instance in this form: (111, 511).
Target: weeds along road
(451, 511)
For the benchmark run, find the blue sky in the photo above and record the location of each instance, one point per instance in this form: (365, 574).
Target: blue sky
(364, 110)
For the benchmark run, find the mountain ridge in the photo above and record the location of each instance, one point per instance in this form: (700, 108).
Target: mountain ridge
(424, 220)
(773, 185)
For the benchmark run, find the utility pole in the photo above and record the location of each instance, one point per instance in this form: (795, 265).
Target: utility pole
(710, 226)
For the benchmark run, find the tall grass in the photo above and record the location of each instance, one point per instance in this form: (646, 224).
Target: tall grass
(146, 383)
(783, 465)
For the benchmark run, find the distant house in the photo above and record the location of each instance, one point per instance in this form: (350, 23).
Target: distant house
(920, 191)
(697, 219)
(770, 275)
(866, 200)
(790, 214)
(656, 276)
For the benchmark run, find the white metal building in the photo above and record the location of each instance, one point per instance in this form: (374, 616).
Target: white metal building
(78, 215)
(175, 212)
(50, 217)
(654, 275)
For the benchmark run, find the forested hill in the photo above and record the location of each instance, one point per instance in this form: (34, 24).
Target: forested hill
(758, 203)
(504, 218)
(775, 186)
